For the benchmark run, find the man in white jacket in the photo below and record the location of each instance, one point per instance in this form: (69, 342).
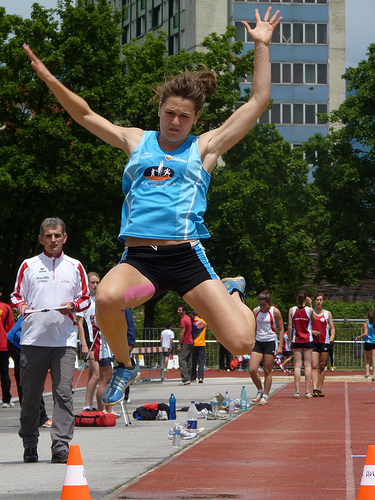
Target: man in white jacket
(57, 285)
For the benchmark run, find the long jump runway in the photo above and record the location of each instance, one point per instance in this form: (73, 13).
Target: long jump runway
(290, 449)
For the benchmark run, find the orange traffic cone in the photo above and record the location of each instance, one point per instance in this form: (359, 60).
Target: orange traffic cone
(75, 483)
(367, 487)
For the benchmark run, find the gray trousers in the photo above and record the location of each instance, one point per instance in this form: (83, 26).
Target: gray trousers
(184, 360)
(34, 365)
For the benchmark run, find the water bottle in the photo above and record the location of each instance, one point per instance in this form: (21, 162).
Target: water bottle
(231, 408)
(176, 436)
(172, 407)
(192, 416)
(226, 400)
(243, 399)
(214, 405)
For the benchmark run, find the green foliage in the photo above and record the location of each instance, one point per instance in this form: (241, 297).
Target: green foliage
(344, 173)
(349, 310)
(260, 228)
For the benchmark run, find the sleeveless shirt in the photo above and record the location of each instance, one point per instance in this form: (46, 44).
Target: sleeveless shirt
(165, 193)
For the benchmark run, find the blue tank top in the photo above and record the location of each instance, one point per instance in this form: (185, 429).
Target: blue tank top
(165, 193)
(370, 337)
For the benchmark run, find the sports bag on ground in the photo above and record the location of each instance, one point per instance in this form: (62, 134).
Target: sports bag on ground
(94, 419)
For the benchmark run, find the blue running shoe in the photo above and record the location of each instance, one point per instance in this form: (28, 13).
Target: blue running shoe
(121, 379)
(235, 285)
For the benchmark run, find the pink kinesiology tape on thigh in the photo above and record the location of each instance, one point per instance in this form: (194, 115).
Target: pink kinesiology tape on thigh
(139, 291)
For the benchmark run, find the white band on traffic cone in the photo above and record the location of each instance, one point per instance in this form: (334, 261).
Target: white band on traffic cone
(368, 476)
(75, 476)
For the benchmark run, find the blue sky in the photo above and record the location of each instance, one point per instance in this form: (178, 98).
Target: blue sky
(359, 15)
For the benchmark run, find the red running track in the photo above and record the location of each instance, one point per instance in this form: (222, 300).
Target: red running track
(291, 449)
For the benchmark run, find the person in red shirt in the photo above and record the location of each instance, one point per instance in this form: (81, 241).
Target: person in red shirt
(6, 324)
(185, 345)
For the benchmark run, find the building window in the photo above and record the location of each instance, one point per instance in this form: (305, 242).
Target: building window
(140, 21)
(294, 114)
(156, 13)
(174, 27)
(299, 73)
(288, 1)
(308, 33)
(126, 22)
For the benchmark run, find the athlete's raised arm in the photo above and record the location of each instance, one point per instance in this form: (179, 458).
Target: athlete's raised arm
(120, 137)
(214, 143)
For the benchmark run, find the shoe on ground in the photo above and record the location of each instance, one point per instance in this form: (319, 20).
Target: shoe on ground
(185, 383)
(61, 457)
(264, 400)
(366, 375)
(309, 395)
(236, 284)
(8, 405)
(258, 397)
(296, 395)
(200, 381)
(121, 379)
(117, 415)
(30, 455)
(320, 394)
(47, 424)
(315, 393)
(184, 432)
(127, 401)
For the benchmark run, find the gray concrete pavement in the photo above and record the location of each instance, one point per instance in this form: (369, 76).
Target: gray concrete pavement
(112, 456)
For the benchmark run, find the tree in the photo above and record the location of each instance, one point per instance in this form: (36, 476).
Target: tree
(344, 174)
(52, 166)
(49, 165)
(260, 214)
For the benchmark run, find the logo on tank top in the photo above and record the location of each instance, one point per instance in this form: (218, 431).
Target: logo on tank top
(160, 173)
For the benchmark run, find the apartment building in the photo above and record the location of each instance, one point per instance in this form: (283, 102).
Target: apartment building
(307, 51)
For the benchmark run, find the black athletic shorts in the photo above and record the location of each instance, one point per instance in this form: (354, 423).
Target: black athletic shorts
(302, 345)
(269, 347)
(320, 347)
(369, 346)
(178, 267)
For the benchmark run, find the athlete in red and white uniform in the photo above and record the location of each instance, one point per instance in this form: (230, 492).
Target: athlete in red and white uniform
(323, 330)
(268, 343)
(300, 332)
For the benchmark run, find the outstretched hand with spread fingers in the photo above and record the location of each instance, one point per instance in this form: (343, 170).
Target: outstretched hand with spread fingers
(36, 63)
(262, 33)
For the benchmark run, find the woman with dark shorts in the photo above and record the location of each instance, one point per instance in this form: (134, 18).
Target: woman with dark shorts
(268, 342)
(369, 337)
(323, 330)
(300, 331)
(165, 184)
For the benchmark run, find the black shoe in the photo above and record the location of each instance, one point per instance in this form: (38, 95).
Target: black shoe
(30, 455)
(60, 457)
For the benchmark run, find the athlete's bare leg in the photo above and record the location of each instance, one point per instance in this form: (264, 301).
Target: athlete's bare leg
(229, 319)
(121, 287)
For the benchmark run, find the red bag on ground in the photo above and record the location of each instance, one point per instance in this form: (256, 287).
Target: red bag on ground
(94, 419)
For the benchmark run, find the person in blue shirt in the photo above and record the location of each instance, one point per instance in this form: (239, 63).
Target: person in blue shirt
(14, 349)
(165, 183)
(369, 337)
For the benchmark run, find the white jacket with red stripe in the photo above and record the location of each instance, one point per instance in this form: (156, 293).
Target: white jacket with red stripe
(43, 282)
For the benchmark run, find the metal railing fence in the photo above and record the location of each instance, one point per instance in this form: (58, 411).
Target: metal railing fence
(348, 355)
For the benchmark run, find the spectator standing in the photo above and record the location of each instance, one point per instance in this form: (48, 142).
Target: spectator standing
(166, 340)
(369, 337)
(199, 329)
(185, 345)
(6, 324)
(323, 330)
(299, 330)
(225, 358)
(268, 342)
(14, 348)
(49, 339)
(86, 327)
